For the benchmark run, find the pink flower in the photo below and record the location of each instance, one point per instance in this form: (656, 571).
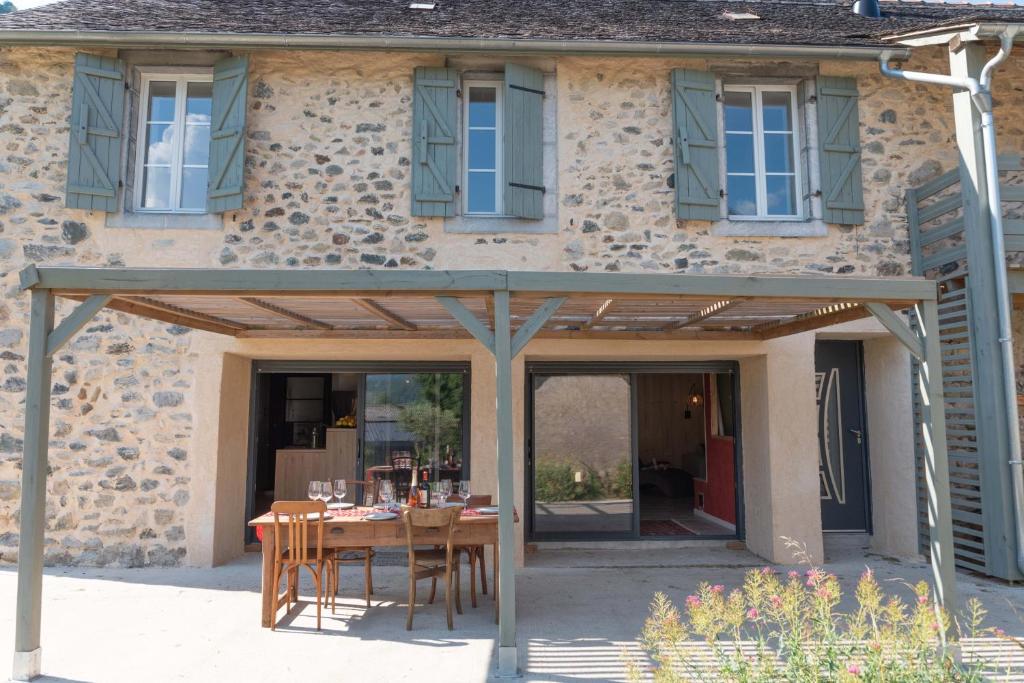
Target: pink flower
(1000, 632)
(922, 599)
(717, 588)
(853, 669)
(775, 600)
(752, 613)
(767, 571)
(794, 574)
(692, 601)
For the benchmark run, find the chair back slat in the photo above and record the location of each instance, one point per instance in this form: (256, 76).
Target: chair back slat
(292, 517)
(429, 518)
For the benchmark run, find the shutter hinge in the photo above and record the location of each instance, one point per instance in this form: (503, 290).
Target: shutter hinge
(721, 193)
(718, 97)
(524, 186)
(813, 99)
(120, 183)
(457, 189)
(817, 193)
(458, 93)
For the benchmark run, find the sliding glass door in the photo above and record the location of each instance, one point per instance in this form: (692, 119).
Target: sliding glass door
(418, 415)
(582, 455)
(630, 450)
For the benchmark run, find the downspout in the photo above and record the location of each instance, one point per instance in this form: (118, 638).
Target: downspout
(981, 95)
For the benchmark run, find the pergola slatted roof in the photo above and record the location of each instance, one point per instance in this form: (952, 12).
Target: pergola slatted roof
(360, 304)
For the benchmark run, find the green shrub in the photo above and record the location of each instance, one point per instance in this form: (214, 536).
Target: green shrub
(775, 628)
(555, 481)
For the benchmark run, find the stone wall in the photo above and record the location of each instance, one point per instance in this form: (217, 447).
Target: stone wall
(328, 187)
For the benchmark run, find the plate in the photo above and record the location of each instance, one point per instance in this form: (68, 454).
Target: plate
(488, 510)
(340, 506)
(451, 504)
(381, 516)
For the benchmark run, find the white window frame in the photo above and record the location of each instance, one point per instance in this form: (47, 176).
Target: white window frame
(499, 161)
(760, 174)
(181, 78)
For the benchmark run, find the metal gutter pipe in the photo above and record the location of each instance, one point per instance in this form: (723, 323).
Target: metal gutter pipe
(981, 95)
(426, 44)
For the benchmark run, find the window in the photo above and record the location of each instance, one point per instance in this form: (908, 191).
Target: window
(174, 128)
(761, 152)
(482, 149)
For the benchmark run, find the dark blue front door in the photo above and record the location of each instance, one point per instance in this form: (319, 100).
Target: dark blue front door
(842, 437)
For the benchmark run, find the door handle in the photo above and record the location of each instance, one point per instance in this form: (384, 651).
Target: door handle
(859, 434)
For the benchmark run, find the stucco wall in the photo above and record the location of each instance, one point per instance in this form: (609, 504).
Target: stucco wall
(328, 187)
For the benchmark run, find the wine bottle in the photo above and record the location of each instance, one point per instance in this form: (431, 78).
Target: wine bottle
(424, 490)
(413, 500)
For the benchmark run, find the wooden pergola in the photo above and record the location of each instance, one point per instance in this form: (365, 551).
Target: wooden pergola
(503, 310)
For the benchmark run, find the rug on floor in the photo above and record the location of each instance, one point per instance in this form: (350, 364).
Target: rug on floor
(663, 527)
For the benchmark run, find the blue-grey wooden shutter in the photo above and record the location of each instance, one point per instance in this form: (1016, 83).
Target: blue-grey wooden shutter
(523, 149)
(695, 115)
(227, 135)
(94, 148)
(434, 120)
(842, 192)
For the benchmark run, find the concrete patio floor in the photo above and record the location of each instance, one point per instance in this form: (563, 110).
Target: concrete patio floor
(579, 610)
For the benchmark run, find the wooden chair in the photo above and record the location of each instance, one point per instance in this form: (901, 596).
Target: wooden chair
(433, 563)
(474, 553)
(292, 539)
(353, 556)
(401, 473)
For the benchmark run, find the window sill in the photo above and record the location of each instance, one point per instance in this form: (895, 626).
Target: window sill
(165, 221)
(760, 228)
(491, 225)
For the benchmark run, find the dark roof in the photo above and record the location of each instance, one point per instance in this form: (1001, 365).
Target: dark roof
(805, 22)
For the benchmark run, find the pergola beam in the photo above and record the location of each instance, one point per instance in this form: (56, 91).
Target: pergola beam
(175, 315)
(533, 324)
(722, 286)
(468, 320)
(812, 320)
(384, 314)
(705, 313)
(599, 315)
(440, 282)
(898, 328)
(283, 312)
(78, 319)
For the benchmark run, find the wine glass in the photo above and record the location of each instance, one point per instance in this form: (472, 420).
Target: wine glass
(446, 489)
(340, 489)
(464, 491)
(387, 493)
(314, 490)
(326, 491)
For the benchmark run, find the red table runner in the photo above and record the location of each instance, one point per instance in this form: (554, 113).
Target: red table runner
(356, 512)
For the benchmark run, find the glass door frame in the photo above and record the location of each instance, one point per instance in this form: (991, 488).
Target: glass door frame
(631, 369)
(362, 368)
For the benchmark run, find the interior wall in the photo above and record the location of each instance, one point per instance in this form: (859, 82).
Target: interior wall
(663, 432)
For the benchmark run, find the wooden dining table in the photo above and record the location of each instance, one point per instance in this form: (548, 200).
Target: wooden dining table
(349, 529)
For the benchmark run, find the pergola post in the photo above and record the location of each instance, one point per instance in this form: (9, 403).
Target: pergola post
(504, 347)
(27, 659)
(507, 655)
(936, 460)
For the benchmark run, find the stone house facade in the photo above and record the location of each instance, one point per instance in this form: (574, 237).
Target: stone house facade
(146, 444)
